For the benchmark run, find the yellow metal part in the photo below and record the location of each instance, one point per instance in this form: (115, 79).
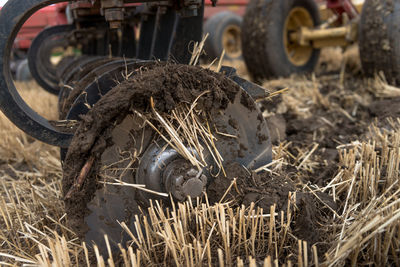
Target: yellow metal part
(300, 37)
(297, 19)
(318, 38)
(231, 41)
(359, 7)
(325, 13)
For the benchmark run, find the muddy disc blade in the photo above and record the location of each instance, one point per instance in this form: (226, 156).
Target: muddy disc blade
(243, 134)
(117, 203)
(116, 138)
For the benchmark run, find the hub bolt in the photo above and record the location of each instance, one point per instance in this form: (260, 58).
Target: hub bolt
(181, 179)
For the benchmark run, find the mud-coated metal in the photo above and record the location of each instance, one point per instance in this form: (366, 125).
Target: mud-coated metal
(102, 85)
(171, 40)
(254, 90)
(242, 133)
(189, 182)
(242, 136)
(160, 169)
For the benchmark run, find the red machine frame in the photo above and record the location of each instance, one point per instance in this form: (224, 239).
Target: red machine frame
(340, 7)
(55, 15)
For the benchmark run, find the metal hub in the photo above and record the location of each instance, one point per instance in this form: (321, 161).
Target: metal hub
(182, 180)
(162, 169)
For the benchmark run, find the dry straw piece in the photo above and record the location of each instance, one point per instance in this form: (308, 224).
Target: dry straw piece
(369, 185)
(187, 130)
(381, 88)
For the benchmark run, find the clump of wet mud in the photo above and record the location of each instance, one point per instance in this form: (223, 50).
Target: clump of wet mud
(168, 85)
(265, 190)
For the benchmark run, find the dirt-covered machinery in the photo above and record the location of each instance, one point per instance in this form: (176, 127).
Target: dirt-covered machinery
(136, 120)
(284, 37)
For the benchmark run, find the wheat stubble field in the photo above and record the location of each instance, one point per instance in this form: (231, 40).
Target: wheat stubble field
(336, 138)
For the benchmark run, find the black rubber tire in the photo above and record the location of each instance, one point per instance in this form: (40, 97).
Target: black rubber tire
(379, 38)
(216, 26)
(262, 38)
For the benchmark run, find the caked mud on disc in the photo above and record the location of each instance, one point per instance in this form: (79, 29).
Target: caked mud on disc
(116, 138)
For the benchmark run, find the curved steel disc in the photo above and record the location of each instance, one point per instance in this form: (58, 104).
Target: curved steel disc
(242, 136)
(82, 68)
(67, 97)
(251, 146)
(12, 16)
(94, 91)
(76, 77)
(79, 73)
(63, 71)
(39, 55)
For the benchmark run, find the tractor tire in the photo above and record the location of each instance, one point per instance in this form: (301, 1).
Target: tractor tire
(224, 30)
(379, 39)
(267, 50)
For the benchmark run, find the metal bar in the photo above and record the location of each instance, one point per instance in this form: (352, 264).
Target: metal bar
(350, 9)
(189, 29)
(316, 34)
(165, 33)
(154, 33)
(147, 29)
(319, 38)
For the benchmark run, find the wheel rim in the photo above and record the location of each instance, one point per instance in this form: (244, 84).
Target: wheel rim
(231, 41)
(297, 54)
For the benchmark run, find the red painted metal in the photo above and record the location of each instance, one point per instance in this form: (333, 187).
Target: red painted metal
(48, 16)
(341, 7)
(236, 6)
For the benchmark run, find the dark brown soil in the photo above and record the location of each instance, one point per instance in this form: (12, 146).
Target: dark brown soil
(266, 190)
(344, 120)
(385, 108)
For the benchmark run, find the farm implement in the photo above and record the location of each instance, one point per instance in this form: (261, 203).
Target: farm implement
(138, 120)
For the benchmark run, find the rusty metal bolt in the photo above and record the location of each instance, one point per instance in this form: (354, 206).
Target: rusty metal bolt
(114, 16)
